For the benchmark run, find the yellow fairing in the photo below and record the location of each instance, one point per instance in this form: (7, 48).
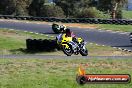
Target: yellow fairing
(80, 40)
(65, 40)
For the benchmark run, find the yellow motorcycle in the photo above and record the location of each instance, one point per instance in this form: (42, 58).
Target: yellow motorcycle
(70, 45)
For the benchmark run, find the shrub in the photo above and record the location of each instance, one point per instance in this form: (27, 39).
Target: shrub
(92, 12)
(52, 11)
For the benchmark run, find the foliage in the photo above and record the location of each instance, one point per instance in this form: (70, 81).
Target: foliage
(7, 7)
(71, 7)
(92, 12)
(36, 7)
(112, 6)
(52, 11)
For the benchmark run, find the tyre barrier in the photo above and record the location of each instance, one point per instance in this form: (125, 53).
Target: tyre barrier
(41, 45)
(71, 20)
(130, 37)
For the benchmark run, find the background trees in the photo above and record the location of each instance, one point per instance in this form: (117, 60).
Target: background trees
(63, 8)
(52, 11)
(7, 7)
(112, 6)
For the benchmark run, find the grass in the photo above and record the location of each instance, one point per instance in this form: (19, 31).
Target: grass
(123, 28)
(127, 14)
(13, 42)
(58, 73)
(98, 50)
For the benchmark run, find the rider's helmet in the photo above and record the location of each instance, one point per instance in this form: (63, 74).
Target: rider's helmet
(68, 32)
(62, 27)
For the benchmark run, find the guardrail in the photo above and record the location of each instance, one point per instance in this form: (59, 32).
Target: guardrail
(71, 20)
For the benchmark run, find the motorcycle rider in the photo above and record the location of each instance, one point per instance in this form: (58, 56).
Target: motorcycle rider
(62, 28)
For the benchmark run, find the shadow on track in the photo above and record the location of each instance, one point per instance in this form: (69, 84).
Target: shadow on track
(26, 51)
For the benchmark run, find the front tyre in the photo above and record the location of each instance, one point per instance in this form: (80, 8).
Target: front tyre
(67, 50)
(84, 52)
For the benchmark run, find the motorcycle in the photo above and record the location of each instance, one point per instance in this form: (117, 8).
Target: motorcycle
(58, 28)
(70, 45)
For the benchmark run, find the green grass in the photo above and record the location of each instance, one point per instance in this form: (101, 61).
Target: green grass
(14, 42)
(58, 73)
(127, 14)
(123, 28)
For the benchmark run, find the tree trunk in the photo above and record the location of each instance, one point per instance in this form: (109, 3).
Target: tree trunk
(114, 11)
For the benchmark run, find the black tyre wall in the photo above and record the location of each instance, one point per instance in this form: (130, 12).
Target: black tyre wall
(41, 45)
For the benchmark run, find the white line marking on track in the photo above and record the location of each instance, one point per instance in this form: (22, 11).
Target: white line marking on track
(91, 43)
(11, 29)
(52, 36)
(31, 32)
(87, 30)
(101, 31)
(115, 47)
(120, 48)
(25, 31)
(27, 22)
(118, 31)
(122, 33)
(41, 34)
(103, 45)
(109, 30)
(97, 44)
(37, 33)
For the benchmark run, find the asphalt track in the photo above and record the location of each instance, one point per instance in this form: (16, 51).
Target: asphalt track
(60, 57)
(108, 38)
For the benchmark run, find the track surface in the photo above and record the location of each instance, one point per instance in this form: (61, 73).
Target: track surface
(60, 57)
(120, 40)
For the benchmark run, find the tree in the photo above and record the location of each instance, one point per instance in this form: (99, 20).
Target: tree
(35, 7)
(112, 6)
(21, 7)
(115, 5)
(71, 7)
(52, 11)
(92, 12)
(7, 7)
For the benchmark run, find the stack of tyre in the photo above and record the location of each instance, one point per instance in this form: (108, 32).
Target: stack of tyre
(41, 45)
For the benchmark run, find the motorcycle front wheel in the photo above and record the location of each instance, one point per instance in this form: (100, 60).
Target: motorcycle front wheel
(67, 50)
(84, 52)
